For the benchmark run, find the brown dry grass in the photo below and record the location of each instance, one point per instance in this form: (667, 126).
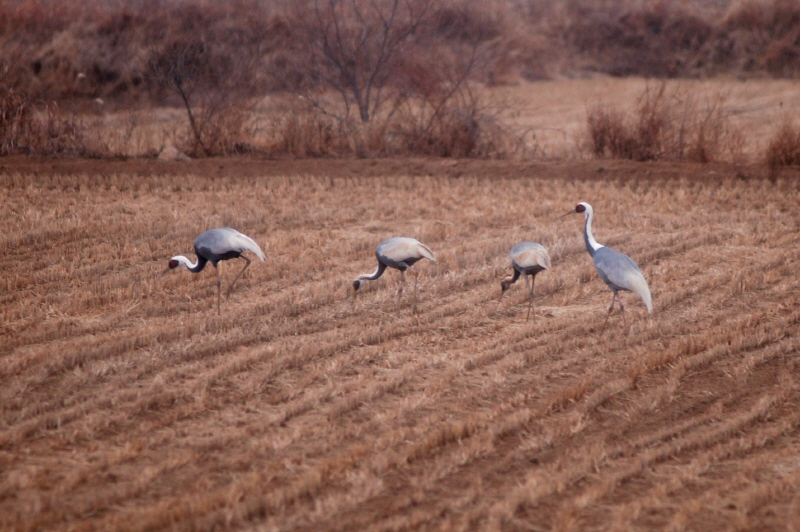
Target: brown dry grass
(126, 403)
(542, 120)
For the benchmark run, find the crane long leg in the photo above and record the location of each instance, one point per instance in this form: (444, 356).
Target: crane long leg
(402, 283)
(530, 293)
(610, 309)
(219, 284)
(622, 311)
(416, 277)
(228, 294)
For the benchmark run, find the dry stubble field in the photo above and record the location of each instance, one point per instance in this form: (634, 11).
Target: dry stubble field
(127, 403)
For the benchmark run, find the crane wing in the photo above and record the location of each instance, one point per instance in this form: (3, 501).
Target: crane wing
(225, 239)
(426, 252)
(401, 249)
(529, 255)
(621, 272)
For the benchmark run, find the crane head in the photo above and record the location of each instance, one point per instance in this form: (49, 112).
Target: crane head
(580, 208)
(357, 284)
(173, 264)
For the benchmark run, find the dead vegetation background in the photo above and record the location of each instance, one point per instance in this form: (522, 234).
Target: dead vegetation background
(666, 124)
(378, 78)
(126, 403)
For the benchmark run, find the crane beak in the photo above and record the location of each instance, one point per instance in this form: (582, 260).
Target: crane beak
(567, 214)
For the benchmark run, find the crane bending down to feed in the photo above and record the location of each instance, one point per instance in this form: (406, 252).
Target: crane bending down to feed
(399, 253)
(527, 258)
(616, 269)
(215, 245)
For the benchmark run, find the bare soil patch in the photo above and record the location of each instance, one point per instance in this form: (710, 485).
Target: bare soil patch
(127, 403)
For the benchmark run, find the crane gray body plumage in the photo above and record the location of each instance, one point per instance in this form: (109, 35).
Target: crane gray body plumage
(616, 269)
(620, 272)
(216, 245)
(527, 258)
(224, 243)
(399, 253)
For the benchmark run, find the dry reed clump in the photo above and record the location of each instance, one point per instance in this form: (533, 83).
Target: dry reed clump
(783, 148)
(665, 127)
(25, 130)
(18, 127)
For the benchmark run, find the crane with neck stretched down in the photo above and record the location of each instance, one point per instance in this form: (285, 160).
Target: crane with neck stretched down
(399, 253)
(616, 269)
(527, 258)
(216, 245)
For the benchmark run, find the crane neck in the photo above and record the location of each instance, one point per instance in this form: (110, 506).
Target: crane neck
(591, 244)
(377, 273)
(191, 266)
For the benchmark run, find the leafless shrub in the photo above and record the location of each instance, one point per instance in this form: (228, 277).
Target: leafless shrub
(355, 47)
(457, 124)
(406, 69)
(784, 147)
(211, 89)
(665, 126)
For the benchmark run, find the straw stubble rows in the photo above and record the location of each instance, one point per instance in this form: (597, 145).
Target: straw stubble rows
(127, 403)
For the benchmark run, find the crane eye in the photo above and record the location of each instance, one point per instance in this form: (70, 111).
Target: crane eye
(173, 264)
(580, 208)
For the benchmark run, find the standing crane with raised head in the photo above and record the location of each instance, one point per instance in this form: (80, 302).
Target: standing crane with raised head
(527, 258)
(216, 245)
(616, 269)
(399, 253)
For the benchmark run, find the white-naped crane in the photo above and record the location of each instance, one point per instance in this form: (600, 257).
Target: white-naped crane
(527, 258)
(216, 245)
(616, 269)
(399, 253)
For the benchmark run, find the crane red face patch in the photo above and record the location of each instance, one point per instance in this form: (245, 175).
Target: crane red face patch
(173, 264)
(580, 208)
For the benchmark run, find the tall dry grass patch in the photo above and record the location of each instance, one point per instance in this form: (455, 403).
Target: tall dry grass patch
(23, 129)
(666, 125)
(18, 128)
(783, 148)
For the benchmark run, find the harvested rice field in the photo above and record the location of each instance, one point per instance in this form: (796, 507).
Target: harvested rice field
(128, 403)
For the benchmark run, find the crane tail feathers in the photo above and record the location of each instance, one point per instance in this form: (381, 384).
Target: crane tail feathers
(426, 252)
(544, 261)
(250, 245)
(640, 288)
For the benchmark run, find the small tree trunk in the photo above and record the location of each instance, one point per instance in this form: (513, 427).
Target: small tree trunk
(363, 109)
(192, 121)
